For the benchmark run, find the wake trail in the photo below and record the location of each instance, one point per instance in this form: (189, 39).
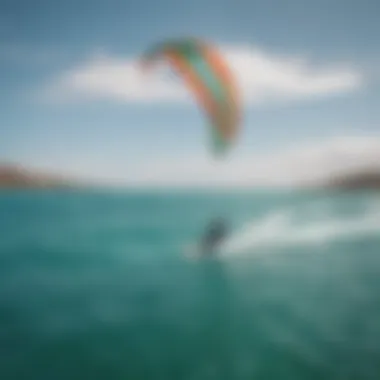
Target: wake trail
(315, 223)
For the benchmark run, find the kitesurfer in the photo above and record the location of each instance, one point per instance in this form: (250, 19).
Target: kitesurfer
(215, 233)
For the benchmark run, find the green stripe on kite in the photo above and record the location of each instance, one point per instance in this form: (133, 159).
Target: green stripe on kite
(195, 56)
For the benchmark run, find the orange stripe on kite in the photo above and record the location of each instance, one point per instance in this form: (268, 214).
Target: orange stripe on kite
(226, 77)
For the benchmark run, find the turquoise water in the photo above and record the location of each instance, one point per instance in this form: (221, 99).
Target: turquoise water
(100, 285)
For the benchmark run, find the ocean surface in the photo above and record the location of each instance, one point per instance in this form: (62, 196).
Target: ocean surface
(103, 285)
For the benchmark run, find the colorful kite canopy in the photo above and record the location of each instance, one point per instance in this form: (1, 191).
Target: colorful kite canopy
(208, 76)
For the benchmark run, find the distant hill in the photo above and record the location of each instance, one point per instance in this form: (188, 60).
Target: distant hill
(365, 180)
(18, 177)
(13, 176)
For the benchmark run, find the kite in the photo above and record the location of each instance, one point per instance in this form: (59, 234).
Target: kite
(207, 75)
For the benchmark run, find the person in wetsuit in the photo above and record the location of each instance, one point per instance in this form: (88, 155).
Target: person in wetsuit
(214, 235)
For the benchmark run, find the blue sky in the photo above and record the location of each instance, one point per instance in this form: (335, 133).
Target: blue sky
(310, 73)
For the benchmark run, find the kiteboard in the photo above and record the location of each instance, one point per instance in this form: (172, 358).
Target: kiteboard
(194, 251)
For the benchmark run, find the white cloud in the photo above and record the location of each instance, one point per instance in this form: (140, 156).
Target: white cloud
(261, 76)
(302, 164)
(298, 165)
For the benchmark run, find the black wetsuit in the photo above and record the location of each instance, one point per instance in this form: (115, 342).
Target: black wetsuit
(213, 237)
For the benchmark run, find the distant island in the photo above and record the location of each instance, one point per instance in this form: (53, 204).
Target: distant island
(17, 177)
(361, 180)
